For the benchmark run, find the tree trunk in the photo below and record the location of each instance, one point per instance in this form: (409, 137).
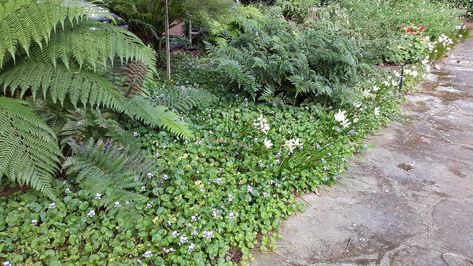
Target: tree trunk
(168, 45)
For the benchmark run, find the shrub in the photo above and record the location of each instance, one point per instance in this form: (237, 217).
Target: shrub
(270, 58)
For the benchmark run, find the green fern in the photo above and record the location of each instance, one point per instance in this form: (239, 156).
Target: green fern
(96, 45)
(59, 84)
(65, 70)
(82, 125)
(108, 170)
(141, 109)
(29, 153)
(183, 98)
(25, 21)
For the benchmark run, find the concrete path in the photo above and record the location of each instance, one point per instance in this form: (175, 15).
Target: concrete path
(407, 201)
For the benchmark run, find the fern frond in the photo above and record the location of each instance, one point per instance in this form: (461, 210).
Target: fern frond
(83, 125)
(183, 98)
(33, 21)
(108, 170)
(29, 153)
(59, 84)
(96, 45)
(141, 109)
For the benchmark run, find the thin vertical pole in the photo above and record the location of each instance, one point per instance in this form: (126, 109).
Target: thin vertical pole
(168, 45)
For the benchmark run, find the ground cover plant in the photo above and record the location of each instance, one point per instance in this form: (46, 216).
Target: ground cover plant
(276, 108)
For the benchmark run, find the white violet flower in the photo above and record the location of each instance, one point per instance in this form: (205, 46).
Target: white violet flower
(91, 213)
(148, 254)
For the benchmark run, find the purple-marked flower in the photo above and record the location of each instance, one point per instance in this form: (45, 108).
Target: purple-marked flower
(143, 188)
(34, 222)
(208, 234)
(149, 206)
(6, 263)
(191, 248)
(165, 177)
(230, 197)
(52, 205)
(117, 204)
(148, 254)
(175, 234)
(91, 213)
(194, 233)
(193, 218)
(231, 215)
(183, 239)
(67, 191)
(149, 175)
(98, 196)
(136, 134)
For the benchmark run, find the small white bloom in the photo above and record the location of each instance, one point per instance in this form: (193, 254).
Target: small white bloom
(231, 215)
(98, 196)
(136, 134)
(262, 124)
(143, 188)
(376, 88)
(191, 248)
(52, 205)
(357, 104)
(267, 143)
(149, 206)
(342, 119)
(157, 154)
(165, 177)
(117, 204)
(183, 239)
(91, 213)
(193, 218)
(68, 190)
(149, 175)
(376, 111)
(194, 233)
(34, 222)
(230, 197)
(168, 250)
(218, 181)
(175, 234)
(249, 189)
(148, 254)
(265, 194)
(6, 263)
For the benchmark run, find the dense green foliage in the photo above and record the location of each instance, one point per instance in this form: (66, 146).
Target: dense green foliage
(61, 68)
(286, 94)
(271, 58)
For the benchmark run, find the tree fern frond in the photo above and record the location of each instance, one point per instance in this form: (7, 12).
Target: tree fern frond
(29, 152)
(96, 45)
(141, 109)
(108, 170)
(59, 84)
(33, 21)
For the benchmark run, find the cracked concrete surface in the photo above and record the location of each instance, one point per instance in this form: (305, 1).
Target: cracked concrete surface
(407, 201)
